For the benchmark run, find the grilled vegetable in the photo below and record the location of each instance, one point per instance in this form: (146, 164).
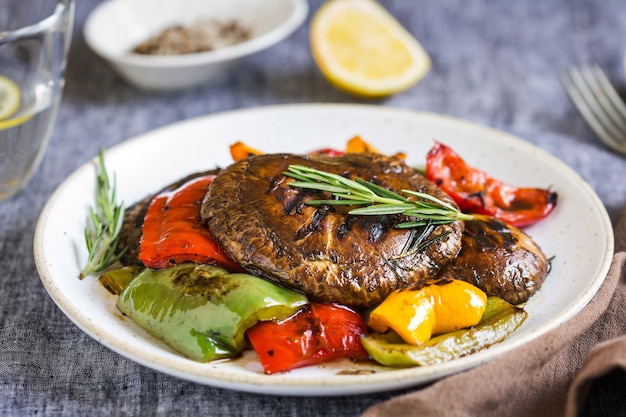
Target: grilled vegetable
(240, 150)
(173, 233)
(130, 234)
(357, 144)
(203, 311)
(117, 279)
(316, 334)
(500, 259)
(499, 320)
(477, 192)
(267, 226)
(432, 307)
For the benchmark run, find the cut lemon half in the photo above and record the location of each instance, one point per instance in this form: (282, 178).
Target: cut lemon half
(362, 49)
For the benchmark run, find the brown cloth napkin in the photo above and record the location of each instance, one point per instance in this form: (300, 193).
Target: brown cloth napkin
(549, 377)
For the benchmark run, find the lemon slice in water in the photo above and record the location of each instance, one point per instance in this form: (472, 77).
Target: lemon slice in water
(362, 49)
(10, 99)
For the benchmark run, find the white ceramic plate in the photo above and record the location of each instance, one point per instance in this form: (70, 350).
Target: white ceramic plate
(582, 250)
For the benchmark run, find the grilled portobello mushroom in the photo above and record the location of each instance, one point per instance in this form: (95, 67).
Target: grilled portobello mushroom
(266, 226)
(500, 259)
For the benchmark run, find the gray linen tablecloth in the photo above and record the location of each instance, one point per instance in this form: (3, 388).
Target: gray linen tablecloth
(495, 62)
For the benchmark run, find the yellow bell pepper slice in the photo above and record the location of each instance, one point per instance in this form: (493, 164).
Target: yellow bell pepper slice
(498, 322)
(435, 307)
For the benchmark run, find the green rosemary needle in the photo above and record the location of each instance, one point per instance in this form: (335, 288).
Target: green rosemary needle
(426, 209)
(104, 224)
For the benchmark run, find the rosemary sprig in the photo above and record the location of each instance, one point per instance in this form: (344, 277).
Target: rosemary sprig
(426, 209)
(104, 224)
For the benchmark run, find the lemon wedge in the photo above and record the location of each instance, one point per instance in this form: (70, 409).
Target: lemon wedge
(363, 50)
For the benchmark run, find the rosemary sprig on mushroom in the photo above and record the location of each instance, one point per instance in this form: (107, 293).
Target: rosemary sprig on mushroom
(376, 200)
(104, 224)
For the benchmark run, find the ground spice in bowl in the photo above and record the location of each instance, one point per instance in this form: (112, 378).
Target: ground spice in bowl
(201, 36)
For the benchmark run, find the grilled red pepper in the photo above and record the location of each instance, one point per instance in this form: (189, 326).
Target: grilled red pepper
(173, 232)
(327, 152)
(477, 192)
(316, 334)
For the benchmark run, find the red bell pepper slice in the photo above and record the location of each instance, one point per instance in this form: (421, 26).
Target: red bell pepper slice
(477, 192)
(314, 335)
(327, 152)
(173, 232)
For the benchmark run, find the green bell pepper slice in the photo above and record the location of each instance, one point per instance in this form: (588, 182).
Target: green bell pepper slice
(203, 311)
(498, 321)
(115, 280)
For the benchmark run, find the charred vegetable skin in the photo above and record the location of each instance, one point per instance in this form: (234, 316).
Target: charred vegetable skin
(499, 320)
(316, 334)
(115, 280)
(356, 144)
(477, 192)
(172, 232)
(266, 226)
(134, 215)
(203, 311)
(500, 259)
(308, 340)
(425, 309)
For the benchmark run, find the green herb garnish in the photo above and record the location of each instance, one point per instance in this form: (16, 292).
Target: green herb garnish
(426, 209)
(104, 224)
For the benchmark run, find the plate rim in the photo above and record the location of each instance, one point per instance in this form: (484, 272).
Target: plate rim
(346, 384)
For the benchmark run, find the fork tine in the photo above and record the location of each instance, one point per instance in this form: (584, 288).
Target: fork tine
(607, 96)
(599, 104)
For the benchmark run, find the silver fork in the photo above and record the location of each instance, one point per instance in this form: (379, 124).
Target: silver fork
(599, 103)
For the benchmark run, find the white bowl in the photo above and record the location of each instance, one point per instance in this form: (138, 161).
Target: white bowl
(114, 27)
